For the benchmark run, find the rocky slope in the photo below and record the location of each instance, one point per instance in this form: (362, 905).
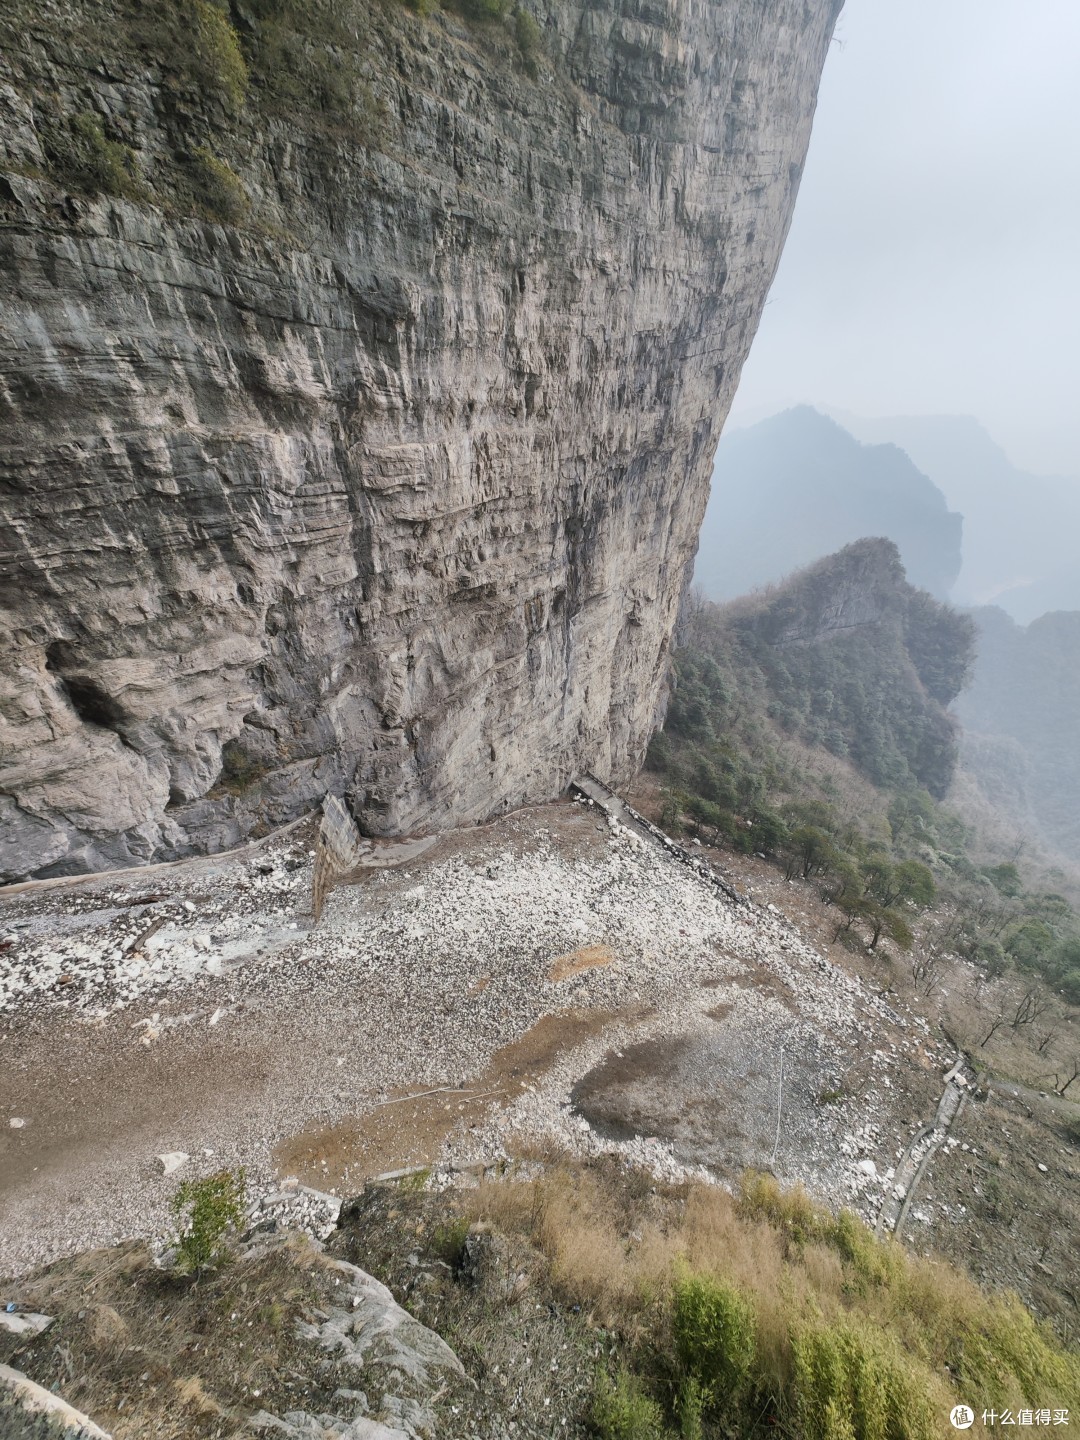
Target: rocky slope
(361, 380)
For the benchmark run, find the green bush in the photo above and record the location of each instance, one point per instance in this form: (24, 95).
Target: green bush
(713, 1331)
(990, 956)
(529, 41)
(482, 9)
(809, 851)
(770, 833)
(205, 1211)
(448, 1240)
(621, 1409)
(85, 156)
(1005, 878)
(1029, 942)
(874, 1261)
(850, 1386)
(219, 191)
(216, 57)
(197, 49)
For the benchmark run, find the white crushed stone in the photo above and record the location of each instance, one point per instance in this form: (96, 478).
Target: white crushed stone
(437, 967)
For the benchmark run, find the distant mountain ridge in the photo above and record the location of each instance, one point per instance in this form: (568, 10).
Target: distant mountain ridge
(1019, 714)
(798, 486)
(848, 655)
(1021, 547)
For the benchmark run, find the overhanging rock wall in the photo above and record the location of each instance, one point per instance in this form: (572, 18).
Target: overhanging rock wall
(389, 487)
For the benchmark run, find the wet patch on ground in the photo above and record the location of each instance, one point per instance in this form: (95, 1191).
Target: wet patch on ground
(730, 1097)
(410, 1130)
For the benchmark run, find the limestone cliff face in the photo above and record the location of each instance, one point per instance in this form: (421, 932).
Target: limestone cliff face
(389, 486)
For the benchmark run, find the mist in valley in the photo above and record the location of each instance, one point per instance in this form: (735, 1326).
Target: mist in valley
(914, 373)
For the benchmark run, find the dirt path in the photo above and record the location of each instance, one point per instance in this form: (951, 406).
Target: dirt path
(923, 1147)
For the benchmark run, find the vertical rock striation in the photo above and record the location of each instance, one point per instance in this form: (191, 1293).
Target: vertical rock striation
(390, 486)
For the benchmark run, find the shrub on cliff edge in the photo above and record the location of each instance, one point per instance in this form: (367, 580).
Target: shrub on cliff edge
(205, 1211)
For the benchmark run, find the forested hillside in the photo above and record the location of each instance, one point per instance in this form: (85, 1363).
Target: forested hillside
(809, 726)
(846, 655)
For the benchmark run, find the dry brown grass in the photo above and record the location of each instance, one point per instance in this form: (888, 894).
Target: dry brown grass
(561, 1248)
(616, 1243)
(105, 1329)
(191, 1395)
(147, 1353)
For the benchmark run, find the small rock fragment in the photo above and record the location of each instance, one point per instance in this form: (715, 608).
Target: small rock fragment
(24, 1322)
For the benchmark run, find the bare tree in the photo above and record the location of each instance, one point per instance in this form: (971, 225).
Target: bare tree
(1048, 1035)
(1060, 1087)
(998, 1021)
(1032, 1004)
(927, 969)
(997, 916)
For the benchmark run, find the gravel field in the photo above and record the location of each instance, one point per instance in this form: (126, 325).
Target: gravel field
(193, 1010)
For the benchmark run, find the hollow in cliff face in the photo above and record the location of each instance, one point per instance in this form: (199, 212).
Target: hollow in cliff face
(369, 456)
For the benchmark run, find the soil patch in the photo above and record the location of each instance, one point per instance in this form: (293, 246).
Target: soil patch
(110, 1095)
(407, 1130)
(589, 957)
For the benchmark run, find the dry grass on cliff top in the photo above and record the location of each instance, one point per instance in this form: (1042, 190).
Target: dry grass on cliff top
(595, 1270)
(618, 1244)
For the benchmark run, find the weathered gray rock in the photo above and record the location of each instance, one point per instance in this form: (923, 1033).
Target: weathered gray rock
(375, 1331)
(392, 489)
(299, 1425)
(30, 1412)
(24, 1322)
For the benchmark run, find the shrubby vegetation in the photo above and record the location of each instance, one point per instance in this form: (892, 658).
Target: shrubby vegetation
(827, 749)
(845, 656)
(766, 1314)
(206, 1211)
(198, 49)
(308, 55)
(82, 153)
(224, 65)
(529, 39)
(219, 191)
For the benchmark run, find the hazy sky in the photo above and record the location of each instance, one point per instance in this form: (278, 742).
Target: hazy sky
(933, 264)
